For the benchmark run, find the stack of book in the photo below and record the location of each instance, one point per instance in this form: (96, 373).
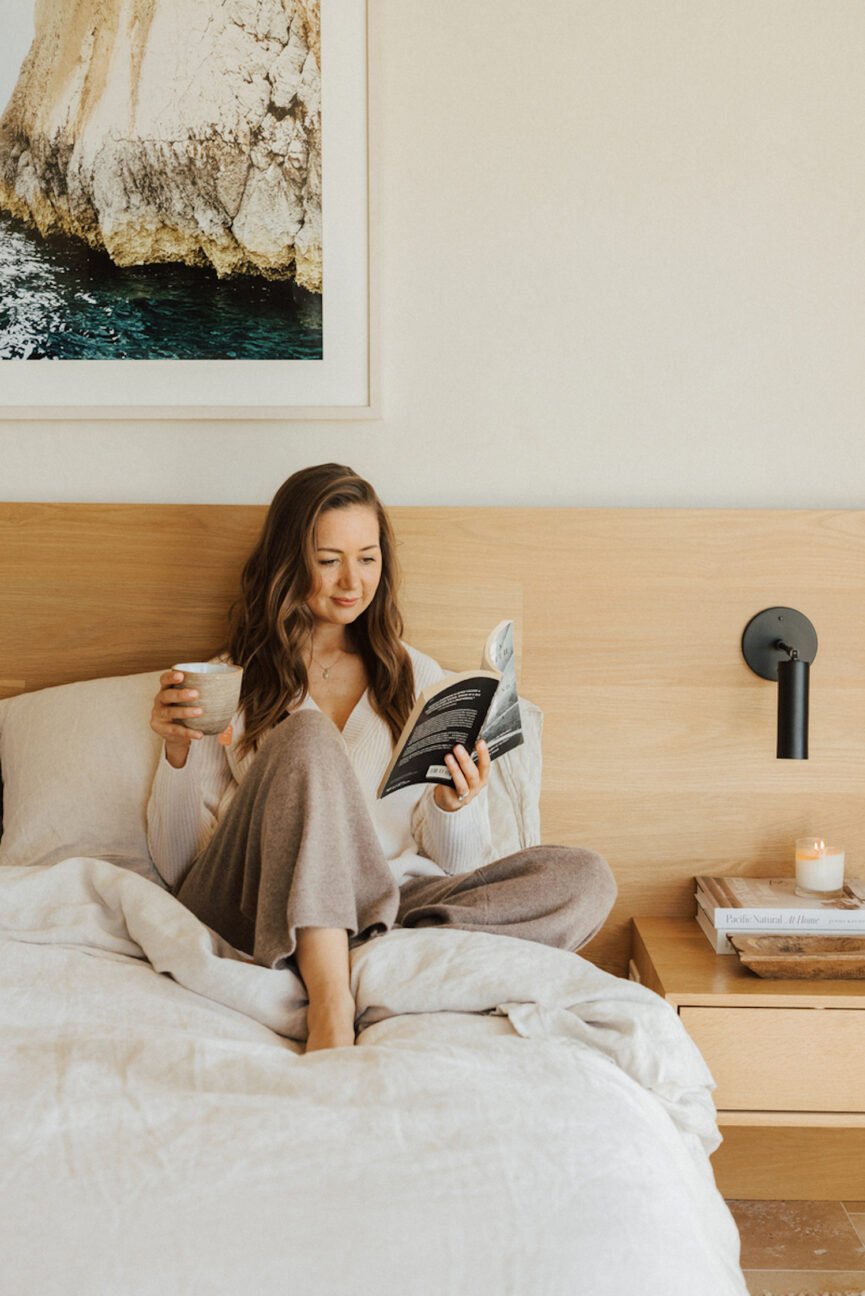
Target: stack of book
(751, 906)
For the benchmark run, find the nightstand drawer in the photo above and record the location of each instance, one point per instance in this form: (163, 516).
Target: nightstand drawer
(782, 1059)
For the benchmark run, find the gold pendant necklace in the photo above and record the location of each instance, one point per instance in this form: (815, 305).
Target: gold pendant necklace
(325, 670)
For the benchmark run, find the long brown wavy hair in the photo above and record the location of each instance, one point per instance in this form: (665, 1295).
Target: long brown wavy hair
(271, 624)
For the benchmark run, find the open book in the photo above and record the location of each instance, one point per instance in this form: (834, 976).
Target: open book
(460, 709)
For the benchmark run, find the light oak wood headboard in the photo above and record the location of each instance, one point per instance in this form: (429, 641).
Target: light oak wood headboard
(658, 742)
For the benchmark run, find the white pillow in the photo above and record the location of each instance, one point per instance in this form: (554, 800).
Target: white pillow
(77, 762)
(514, 789)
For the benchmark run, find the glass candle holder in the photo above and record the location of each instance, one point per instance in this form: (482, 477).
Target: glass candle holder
(819, 869)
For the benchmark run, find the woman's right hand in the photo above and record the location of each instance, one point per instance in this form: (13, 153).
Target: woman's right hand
(171, 705)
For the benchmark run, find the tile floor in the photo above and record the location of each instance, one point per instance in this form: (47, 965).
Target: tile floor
(802, 1247)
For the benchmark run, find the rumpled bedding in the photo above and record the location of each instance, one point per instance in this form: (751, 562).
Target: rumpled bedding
(512, 1120)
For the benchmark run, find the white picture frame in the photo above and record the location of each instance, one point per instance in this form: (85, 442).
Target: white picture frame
(340, 385)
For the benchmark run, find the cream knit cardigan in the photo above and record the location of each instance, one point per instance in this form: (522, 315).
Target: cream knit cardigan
(418, 839)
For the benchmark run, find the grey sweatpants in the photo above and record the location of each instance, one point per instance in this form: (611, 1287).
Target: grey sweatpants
(297, 848)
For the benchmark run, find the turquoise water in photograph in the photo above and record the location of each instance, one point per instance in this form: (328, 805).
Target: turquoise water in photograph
(59, 300)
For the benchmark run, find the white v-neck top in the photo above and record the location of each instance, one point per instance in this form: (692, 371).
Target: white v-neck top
(417, 838)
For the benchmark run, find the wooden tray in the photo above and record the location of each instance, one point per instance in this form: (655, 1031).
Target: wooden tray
(818, 958)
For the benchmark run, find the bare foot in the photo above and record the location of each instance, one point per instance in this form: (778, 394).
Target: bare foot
(330, 1024)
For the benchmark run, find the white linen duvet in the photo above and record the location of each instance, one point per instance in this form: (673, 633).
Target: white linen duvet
(512, 1121)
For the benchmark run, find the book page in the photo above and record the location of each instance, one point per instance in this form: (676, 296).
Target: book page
(503, 730)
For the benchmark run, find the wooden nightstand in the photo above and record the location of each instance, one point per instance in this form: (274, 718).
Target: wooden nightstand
(788, 1058)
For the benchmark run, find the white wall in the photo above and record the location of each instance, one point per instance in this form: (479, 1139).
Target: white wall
(621, 262)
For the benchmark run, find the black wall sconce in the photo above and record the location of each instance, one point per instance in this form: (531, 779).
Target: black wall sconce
(780, 644)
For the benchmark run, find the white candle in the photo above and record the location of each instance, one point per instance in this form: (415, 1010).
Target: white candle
(820, 873)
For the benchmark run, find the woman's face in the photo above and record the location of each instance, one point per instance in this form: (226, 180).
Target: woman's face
(348, 564)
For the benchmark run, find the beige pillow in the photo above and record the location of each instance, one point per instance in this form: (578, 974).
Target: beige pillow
(77, 762)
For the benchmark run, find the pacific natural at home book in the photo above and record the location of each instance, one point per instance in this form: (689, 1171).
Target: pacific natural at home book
(460, 709)
(718, 936)
(771, 904)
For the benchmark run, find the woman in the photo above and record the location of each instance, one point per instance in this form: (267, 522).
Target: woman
(272, 834)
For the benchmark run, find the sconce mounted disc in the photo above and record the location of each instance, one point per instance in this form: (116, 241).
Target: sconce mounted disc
(768, 629)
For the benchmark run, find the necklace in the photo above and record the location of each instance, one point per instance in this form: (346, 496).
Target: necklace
(325, 670)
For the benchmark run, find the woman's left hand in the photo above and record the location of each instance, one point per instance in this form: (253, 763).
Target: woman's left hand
(469, 778)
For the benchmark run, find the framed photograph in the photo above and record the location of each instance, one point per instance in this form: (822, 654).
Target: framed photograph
(184, 211)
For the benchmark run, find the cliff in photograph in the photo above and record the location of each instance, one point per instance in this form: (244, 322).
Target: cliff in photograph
(173, 130)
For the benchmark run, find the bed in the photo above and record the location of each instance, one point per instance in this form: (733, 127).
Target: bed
(513, 1119)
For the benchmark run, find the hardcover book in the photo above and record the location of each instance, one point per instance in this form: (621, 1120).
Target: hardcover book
(771, 904)
(718, 937)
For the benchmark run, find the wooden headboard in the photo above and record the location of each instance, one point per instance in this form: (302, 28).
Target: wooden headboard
(658, 742)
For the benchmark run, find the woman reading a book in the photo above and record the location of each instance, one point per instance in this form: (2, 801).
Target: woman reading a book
(272, 833)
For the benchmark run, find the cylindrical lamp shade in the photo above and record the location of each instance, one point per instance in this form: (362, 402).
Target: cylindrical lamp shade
(793, 709)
